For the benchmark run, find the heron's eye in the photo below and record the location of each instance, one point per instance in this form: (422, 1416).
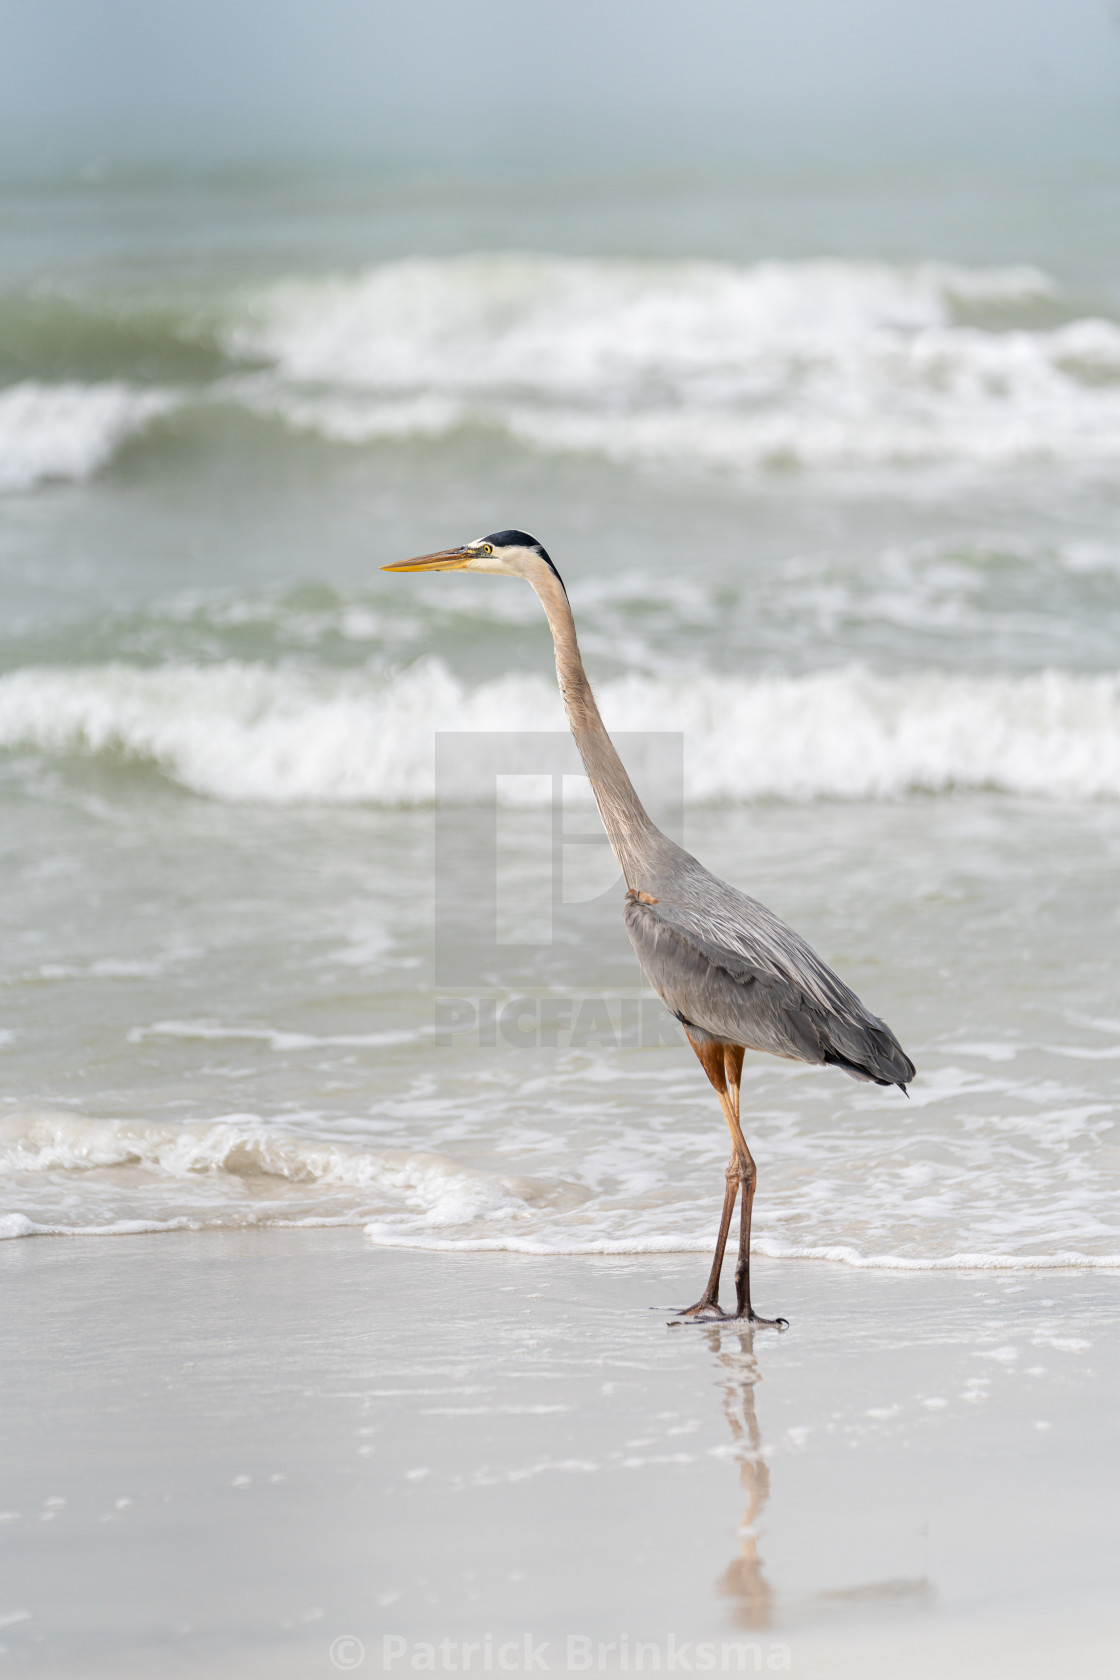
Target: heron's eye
(487, 549)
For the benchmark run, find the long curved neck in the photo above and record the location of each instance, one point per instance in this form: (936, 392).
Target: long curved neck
(628, 825)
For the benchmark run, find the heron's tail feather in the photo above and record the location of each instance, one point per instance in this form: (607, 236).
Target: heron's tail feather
(871, 1051)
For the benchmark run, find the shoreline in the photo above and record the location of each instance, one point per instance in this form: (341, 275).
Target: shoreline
(23, 1228)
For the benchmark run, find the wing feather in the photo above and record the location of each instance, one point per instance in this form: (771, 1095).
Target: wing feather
(739, 974)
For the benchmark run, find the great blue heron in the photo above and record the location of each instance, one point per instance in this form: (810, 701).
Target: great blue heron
(734, 975)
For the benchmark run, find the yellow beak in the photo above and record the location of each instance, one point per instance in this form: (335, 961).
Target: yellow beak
(447, 560)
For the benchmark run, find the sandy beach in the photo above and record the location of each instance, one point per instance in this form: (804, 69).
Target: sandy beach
(290, 1453)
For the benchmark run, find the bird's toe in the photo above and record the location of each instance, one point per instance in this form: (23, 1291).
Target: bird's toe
(702, 1312)
(763, 1323)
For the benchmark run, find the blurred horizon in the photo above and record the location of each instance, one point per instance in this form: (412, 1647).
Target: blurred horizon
(275, 86)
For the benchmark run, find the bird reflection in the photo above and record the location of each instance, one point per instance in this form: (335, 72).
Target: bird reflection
(744, 1580)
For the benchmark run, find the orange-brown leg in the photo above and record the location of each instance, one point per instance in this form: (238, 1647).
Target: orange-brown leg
(723, 1064)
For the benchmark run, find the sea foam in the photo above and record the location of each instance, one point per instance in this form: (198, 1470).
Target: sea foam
(67, 1174)
(69, 431)
(841, 367)
(234, 1171)
(827, 365)
(243, 732)
(581, 325)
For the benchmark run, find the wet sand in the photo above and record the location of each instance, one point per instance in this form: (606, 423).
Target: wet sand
(289, 1453)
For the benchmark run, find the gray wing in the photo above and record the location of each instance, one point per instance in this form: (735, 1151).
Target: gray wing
(723, 963)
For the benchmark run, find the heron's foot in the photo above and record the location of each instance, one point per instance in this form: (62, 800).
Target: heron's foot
(747, 1316)
(703, 1312)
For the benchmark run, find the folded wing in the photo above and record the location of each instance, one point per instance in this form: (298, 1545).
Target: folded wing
(738, 974)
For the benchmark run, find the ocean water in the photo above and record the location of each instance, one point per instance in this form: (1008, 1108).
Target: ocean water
(834, 490)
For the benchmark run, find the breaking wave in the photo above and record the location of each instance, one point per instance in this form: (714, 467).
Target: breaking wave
(247, 732)
(572, 326)
(829, 365)
(70, 1175)
(69, 431)
(122, 1176)
(832, 366)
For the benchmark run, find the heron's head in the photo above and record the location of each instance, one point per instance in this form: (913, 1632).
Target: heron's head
(504, 553)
